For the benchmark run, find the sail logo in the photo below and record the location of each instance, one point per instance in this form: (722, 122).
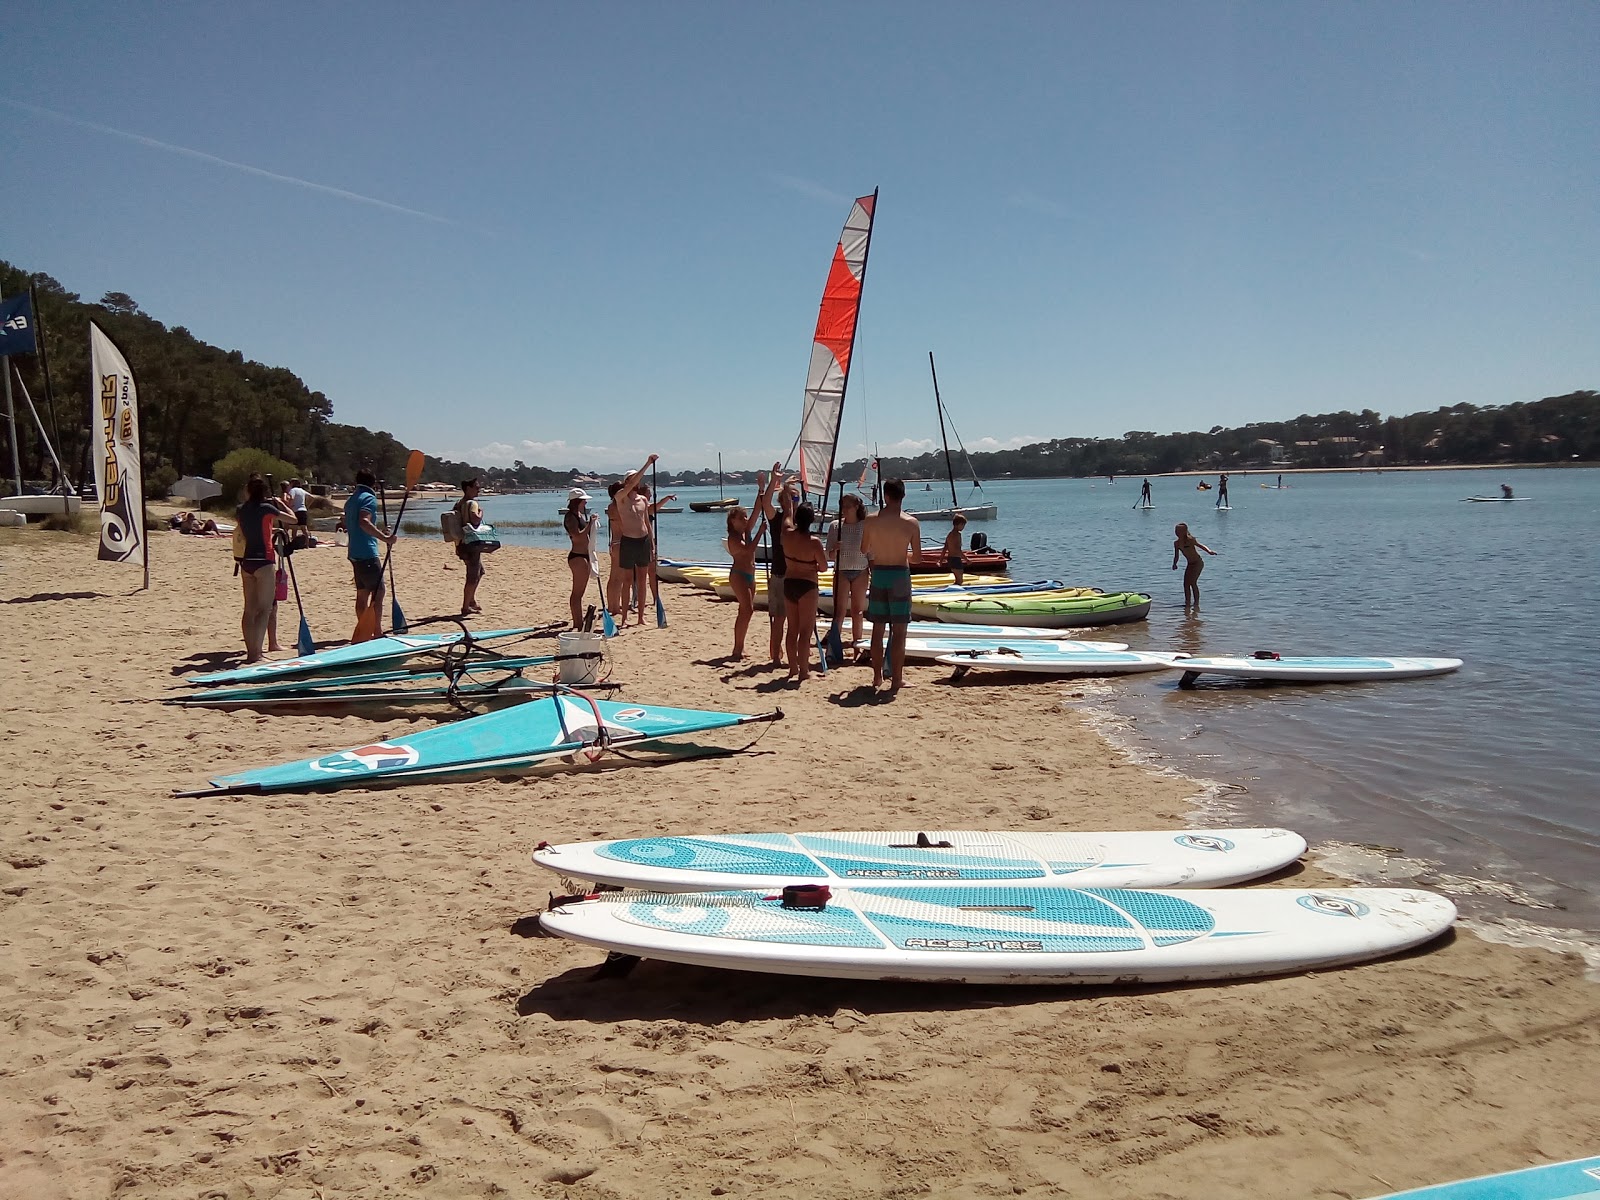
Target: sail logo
(380, 756)
(1201, 841)
(16, 323)
(628, 714)
(1337, 906)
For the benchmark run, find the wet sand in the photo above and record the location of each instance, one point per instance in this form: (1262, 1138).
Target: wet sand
(305, 996)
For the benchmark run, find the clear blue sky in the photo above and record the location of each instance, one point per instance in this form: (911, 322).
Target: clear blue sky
(576, 233)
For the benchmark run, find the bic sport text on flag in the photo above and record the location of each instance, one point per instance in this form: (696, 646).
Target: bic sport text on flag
(16, 326)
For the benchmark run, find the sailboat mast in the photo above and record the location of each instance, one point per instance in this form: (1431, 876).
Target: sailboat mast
(719, 475)
(949, 470)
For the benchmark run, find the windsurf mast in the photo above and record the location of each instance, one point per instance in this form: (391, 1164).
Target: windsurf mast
(832, 346)
(949, 471)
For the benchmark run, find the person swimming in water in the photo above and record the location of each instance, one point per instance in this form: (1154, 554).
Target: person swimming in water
(1189, 547)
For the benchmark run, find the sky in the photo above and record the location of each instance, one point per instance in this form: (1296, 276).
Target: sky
(576, 234)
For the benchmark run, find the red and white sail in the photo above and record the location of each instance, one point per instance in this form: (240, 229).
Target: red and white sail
(830, 353)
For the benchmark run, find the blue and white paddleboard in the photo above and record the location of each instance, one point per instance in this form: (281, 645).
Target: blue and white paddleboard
(1575, 1180)
(1028, 658)
(359, 654)
(1319, 670)
(1494, 499)
(1000, 634)
(932, 647)
(1019, 935)
(1196, 858)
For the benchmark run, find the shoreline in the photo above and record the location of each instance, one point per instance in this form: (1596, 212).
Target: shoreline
(294, 994)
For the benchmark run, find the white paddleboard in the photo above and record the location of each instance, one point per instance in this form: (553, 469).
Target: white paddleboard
(1195, 858)
(1494, 499)
(1006, 634)
(932, 647)
(1575, 1180)
(1080, 662)
(1018, 935)
(1320, 670)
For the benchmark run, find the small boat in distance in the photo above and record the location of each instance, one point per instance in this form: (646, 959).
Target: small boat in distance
(720, 504)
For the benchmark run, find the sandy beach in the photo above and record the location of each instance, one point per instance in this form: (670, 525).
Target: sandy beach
(335, 995)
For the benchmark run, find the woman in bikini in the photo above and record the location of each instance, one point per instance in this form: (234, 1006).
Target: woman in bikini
(849, 567)
(744, 535)
(580, 527)
(1189, 546)
(804, 556)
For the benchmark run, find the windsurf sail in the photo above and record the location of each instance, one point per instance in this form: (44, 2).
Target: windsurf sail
(831, 348)
(359, 654)
(329, 684)
(496, 742)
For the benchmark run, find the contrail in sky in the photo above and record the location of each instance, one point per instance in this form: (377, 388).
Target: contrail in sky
(224, 162)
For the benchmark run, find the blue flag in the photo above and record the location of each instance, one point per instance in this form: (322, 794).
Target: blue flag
(16, 326)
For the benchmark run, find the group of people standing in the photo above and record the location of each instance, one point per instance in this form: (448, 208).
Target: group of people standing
(630, 522)
(871, 557)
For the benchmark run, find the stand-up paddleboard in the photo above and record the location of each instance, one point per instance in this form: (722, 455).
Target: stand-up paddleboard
(1575, 1180)
(932, 647)
(358, 654)
(1224, 508)
(1494, 499)
(1019, 935)
(1008, 634)
(1029, 657)
(1319, 670)
(1196, 858)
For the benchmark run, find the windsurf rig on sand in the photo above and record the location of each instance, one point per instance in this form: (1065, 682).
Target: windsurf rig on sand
(568, 724)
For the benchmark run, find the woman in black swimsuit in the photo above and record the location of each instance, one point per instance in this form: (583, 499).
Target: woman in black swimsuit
(804, 557)
(580, 528)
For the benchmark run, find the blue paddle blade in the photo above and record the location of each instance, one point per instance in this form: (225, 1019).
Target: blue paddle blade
(661, 615)
(397, 619)
(608, 626)
(833, 646)
(305, 645)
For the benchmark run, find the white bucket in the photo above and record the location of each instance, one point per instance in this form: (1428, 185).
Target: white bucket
(579, 670)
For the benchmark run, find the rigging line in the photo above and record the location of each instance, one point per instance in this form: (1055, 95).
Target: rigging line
(965, 457)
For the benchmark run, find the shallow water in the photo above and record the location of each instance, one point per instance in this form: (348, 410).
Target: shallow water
(1490, 774)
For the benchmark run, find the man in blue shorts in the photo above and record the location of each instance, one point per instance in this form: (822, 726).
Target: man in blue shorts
(363, 533)
(892, 541)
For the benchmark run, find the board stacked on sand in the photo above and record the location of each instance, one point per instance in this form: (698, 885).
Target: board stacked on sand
(359, 655)
(1290, 669)
(934, 646)
(1008, 934)
(1044, 658)
(1575, 1180)
(950, 858)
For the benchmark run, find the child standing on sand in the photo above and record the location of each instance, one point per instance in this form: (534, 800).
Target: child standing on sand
(1189, 547)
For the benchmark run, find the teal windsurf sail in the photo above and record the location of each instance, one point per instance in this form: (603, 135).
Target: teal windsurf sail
(307, 684)
(495, 742)
(360, 654)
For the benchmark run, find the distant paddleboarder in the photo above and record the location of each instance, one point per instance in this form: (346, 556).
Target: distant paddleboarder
(1145, 497)
(1505, 491)
(1222, 491)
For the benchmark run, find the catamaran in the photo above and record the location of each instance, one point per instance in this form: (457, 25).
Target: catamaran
(972, 512)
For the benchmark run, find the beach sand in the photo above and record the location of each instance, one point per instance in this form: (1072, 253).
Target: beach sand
(332, 996)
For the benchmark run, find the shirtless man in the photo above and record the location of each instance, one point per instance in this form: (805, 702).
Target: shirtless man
(892, 541)
(637, 550)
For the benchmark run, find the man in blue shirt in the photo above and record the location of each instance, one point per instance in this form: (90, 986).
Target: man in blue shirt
(364, 534)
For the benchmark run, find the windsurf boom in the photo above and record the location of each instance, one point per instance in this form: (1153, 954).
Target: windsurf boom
(497, 742)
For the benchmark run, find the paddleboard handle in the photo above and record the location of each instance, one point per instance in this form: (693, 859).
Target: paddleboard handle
(1271, 655)
(808, 897)
(923, 842)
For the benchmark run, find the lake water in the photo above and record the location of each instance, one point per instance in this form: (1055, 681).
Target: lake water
(1486, 781)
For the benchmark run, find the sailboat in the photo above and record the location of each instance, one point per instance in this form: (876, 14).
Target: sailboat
(972, 512)
(721, 503)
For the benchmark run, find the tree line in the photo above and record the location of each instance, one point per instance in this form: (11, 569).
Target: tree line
(199, 403)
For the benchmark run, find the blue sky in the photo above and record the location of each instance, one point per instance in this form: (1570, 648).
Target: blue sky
(576, 233)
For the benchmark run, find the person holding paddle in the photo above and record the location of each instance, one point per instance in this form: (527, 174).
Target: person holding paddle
(637, 550)
(469, 549)
(580, 529)
(363, 533)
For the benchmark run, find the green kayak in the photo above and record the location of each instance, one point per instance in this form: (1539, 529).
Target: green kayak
(1111, 608)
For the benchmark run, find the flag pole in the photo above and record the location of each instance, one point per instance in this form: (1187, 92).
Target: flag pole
(11, 424)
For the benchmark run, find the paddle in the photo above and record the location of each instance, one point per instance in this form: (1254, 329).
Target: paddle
(368, 625)
(607, 625)
(397, 619)
(305, 644)
(655, 551)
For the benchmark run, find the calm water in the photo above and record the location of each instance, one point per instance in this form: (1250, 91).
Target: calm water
(1491, 774)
